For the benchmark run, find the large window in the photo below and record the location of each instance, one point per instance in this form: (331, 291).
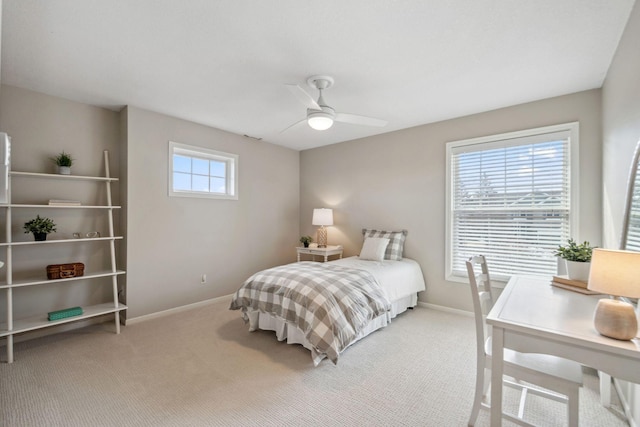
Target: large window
(512, 198)
(200, 172)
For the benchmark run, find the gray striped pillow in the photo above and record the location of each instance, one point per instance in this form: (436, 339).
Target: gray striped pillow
(396, 241)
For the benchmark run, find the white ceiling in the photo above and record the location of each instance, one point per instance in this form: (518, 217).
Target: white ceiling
(224, 63)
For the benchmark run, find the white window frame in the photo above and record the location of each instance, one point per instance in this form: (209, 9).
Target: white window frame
(493, 140)
(231, 176)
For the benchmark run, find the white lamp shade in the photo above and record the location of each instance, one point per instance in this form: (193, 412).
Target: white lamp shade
(615, 273)
(322, 216)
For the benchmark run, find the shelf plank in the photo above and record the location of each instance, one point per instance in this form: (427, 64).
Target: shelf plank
(43, 281)
(40, 321)
(45, 242)
(63, 177)
(31, 206)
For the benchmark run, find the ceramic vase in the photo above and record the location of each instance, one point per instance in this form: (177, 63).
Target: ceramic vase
(578, 270)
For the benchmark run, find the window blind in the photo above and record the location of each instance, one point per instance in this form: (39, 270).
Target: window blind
(510, 201)
(633, 232)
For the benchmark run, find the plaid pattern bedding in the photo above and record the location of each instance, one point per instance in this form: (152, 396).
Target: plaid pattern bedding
(331, 304)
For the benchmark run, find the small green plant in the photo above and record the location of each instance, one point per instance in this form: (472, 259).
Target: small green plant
(63, 159)
(575, 252)
(40, 225)
(305, 240)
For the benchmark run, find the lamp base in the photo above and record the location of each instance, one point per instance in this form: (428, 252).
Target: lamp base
(615, 319)
(322, 237)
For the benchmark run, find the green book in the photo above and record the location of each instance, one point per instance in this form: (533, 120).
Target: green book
(64, 313)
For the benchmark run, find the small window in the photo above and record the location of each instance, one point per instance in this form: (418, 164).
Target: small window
(200, 172)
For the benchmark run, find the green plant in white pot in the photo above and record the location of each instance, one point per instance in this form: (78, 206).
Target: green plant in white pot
(577, 258)
(63, 161)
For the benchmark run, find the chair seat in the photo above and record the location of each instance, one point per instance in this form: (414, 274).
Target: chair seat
(541, 364)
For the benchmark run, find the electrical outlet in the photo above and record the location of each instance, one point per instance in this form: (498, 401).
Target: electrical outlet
(203, 279)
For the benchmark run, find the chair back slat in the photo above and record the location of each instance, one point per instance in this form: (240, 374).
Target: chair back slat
(482, 297)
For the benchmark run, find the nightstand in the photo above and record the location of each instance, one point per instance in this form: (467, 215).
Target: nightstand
(324, 252)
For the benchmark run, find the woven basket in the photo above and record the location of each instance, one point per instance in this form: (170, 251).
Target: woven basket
(65, 271)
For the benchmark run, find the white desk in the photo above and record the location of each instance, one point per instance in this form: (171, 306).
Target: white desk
(531, 316)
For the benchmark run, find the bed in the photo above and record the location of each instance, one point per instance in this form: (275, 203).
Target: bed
(326, 307)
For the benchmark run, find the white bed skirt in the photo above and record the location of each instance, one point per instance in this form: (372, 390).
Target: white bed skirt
(289, 332)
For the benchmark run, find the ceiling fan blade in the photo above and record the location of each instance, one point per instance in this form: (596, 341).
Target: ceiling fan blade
(303, 97)
(294, 125)
(355, 119)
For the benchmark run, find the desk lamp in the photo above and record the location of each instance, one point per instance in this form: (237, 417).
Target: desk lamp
(615, 273)
(322, 217)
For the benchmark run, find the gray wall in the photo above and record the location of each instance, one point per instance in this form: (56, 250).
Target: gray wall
(40, 127)
(172, 241)
(621, 133)
(397, 181)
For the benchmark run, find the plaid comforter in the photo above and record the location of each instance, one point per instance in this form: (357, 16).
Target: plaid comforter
(331, 304)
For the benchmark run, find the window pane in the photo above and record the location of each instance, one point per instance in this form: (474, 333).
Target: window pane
(218, 185)
(200, 166)
(202, 172)
(200, 183)
(510, 202)
(218, 168)
(181, 163)
(181, 181)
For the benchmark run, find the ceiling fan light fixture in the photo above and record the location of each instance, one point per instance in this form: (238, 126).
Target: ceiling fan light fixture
(320, 120)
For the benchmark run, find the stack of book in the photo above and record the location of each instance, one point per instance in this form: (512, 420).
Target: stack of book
(53, 202)
(572, 285)
(63, 314)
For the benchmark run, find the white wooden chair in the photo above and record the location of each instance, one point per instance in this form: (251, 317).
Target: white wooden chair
(561, 378)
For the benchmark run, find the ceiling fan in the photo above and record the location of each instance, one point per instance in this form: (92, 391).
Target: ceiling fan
(320, 116)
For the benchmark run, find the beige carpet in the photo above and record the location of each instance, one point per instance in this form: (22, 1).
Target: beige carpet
(203, 368)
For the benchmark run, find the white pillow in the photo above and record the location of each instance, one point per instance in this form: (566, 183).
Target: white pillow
(374, 248)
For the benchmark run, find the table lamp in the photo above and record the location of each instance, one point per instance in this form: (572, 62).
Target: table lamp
(322, 217)
(615, 273)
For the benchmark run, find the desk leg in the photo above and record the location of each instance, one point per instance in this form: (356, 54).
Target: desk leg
(605, 389)
(497, 358)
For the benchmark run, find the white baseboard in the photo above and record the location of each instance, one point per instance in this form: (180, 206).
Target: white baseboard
(446, 309)
(134, 320)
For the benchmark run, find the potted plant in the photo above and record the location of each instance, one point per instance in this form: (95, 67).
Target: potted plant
(578, 259)
(40, 227)
(305, 240)
(63, 161)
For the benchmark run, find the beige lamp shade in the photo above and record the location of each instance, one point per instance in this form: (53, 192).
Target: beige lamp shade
(322, 216)
(615, 273)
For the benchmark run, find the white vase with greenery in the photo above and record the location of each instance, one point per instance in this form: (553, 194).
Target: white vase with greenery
(577, 258)
(64, 162)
